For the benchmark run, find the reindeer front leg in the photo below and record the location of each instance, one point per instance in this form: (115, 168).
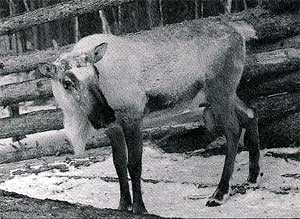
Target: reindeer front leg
(232, 129)
(119, 150)
(134, 140)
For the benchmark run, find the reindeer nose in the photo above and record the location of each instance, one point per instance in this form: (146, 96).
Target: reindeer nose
(68, 72)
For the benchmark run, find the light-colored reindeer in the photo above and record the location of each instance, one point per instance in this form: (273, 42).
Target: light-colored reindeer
(109, 81)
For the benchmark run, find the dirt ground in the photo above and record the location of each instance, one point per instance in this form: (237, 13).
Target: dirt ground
(174, 184)
(14, 205)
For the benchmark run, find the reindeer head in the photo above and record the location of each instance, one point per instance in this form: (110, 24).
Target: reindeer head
(75, 85)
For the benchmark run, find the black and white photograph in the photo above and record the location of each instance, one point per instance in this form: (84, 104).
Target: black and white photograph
(149, 109)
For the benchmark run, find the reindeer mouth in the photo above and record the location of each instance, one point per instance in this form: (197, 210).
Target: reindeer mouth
(100, 119)
(102, 114)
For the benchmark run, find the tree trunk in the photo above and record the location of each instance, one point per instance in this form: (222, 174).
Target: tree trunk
(161, 13)
(227, 6)
(105, 25)
(153, 13)
(245, 4)
(35, 42)
(76, 30)
(196, 9)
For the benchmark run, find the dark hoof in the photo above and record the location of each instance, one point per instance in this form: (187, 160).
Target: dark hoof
(125, 206)
(217, 199)
(254, 180)
(139, 209)
(213, 203)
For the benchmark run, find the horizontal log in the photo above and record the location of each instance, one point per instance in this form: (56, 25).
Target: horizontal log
(289, 82)
(269, 109)
(159, 127)
(29, 61)
(281, 6)
(263, 64)
(276, 106)
(46, 144)
(260, 20)
(26, 62)
(269, 65)
(154, 125)
(25, 91)
(284, 132)
(50, 13)
(30, 123)
(268, 28)
(155, 128)
(290, 42)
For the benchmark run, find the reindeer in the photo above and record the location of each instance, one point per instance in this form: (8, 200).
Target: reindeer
(110, 82)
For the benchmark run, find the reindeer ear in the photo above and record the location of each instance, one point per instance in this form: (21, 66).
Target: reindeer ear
(99, 52)
(47, 70)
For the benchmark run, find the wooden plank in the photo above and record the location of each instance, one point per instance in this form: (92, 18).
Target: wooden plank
(59, 11)
(25, 91)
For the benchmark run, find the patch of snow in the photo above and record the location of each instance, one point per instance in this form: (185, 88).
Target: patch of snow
(175, 192)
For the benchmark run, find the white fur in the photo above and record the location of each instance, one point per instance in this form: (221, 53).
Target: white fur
(246, 30)
(76, 125)
(132, 68)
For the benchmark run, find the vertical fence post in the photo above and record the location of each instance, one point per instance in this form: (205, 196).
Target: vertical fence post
(14, 111)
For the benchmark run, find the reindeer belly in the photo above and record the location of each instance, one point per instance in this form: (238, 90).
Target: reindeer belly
(176, 72)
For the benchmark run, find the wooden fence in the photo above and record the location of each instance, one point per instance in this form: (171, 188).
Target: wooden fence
(271, 80)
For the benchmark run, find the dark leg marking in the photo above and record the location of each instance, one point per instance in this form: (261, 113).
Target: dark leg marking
(117, 139)
(134, 140)
(232, 131)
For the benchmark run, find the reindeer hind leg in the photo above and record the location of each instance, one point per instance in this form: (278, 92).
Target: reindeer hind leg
(249, 120)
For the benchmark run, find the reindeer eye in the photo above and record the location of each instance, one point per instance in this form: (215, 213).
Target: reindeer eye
(67, 85)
